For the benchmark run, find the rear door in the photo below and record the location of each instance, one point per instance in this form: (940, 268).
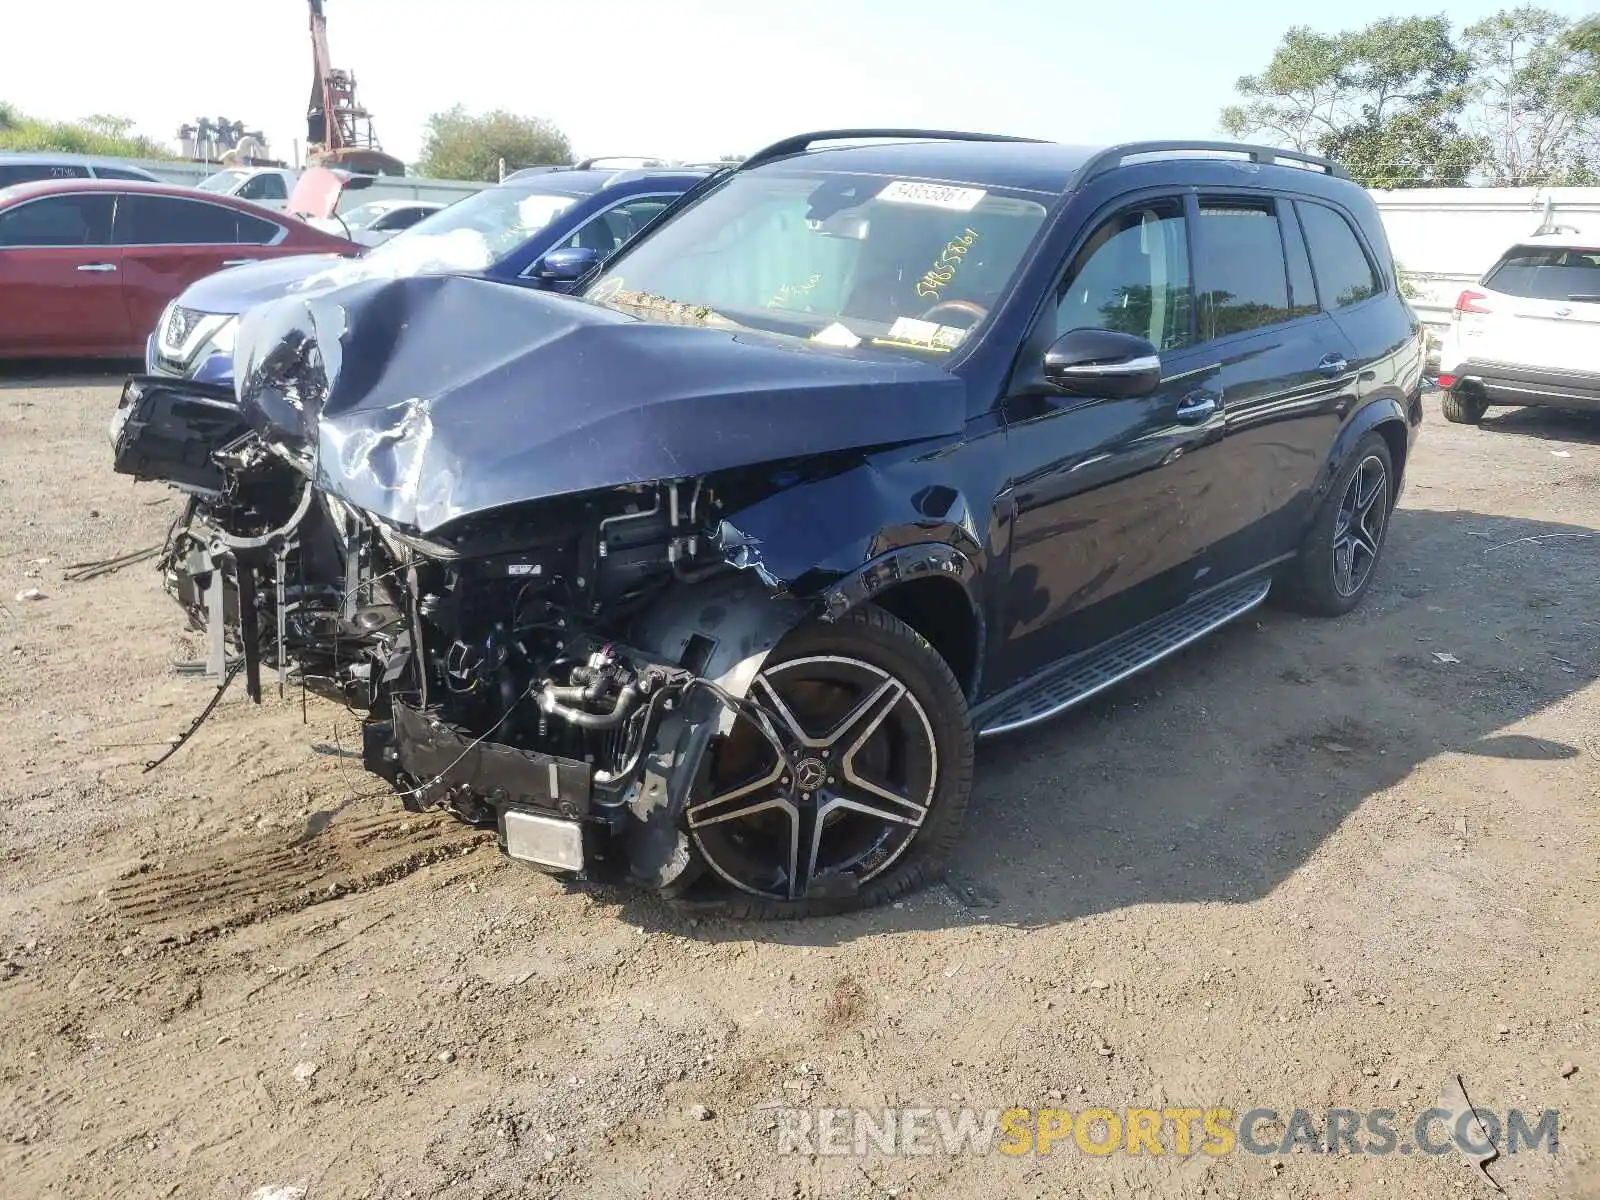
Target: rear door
(60, 291)
(1543, 310)
(168, 242)
(1283, 374)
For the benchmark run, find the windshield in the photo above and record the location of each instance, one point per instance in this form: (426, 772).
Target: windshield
(1548, 273)
(222, 181)
(838, 260)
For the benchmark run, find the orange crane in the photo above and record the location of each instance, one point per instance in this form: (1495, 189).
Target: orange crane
(338, 130)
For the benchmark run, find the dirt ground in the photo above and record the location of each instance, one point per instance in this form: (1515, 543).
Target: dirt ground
(1306, 864)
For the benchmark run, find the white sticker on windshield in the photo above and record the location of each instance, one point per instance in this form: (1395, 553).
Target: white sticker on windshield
(932, 195)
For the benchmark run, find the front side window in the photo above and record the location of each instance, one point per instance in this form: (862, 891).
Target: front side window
(265, 187)
(831, 259)
(615, 227)
(1132, 276)
(1244, 279)
(1344, 274)
(144, 220)
(76, 220)
(1548, 273)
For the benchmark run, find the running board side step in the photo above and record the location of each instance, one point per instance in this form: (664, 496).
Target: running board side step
(1073, 681)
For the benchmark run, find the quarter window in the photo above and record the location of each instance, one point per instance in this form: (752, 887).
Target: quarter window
(1344, 273)
(1132, 276)
(73, 220)
(1242, 270)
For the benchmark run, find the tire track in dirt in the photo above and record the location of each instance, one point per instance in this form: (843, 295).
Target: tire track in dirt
(238, 883)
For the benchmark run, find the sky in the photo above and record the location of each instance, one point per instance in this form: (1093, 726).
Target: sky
(690, 79)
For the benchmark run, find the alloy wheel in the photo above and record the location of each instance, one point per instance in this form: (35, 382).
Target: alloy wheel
(841, 803)
(1358, 531)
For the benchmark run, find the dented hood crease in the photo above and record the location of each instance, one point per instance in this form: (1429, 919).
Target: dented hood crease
(434, 398)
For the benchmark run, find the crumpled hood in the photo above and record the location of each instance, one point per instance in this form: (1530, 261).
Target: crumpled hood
(431, 398)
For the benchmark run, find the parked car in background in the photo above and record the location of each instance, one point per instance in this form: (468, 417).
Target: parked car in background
(88, 265)
(710, 574)
(541, 231)
(1528, 333)
(31, 168)
(267, 186)
(376, 221)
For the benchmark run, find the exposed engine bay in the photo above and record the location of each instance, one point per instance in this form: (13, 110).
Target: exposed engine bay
(534, 556)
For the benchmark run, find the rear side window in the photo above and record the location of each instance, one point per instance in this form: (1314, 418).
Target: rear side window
(1243, 278)
(32, 172)
(253, 231)
(1548, 273)
(171, 221)
(1344, 273)
(77, 220)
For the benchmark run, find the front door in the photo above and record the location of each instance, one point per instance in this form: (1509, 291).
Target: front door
(1103, 489)
(60, 285)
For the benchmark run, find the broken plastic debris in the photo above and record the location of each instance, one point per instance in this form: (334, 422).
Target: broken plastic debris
(1445, 656)
(30, 594)
(1561, 454)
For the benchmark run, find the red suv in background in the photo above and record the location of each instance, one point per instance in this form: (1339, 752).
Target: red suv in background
(87, 265)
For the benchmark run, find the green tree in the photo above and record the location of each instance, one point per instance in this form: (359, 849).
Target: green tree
(1531, 86)
(102, 135)
(463, 145)
(1386, 100)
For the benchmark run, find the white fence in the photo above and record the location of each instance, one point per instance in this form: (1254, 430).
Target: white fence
(1444, 239)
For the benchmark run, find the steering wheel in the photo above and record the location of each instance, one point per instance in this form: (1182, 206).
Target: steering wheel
(976, 311)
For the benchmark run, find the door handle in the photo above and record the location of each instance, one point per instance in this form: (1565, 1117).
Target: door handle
(1333, 364)
(98, 267)
(1196, 407)
(236, 262)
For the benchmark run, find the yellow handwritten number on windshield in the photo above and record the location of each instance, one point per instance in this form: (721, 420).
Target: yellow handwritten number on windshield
(944, 267)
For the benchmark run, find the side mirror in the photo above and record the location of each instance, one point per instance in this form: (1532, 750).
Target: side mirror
(1102, 362)
(568, 264)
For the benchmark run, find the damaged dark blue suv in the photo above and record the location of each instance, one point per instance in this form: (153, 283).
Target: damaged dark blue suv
(887, 440)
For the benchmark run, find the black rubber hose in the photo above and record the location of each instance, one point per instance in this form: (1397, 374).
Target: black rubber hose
(625, 701)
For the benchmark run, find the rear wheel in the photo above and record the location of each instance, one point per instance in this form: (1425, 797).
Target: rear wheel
(867, 797)
(1462, 410)
(1340, 554)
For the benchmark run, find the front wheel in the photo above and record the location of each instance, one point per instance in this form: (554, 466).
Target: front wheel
(1340, 554)
(867, 797)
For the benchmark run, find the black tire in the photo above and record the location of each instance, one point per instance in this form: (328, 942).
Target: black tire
(884, 651)
(1316, 581)
(1462, 410)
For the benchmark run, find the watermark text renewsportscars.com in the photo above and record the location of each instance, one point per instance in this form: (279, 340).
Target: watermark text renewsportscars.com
(1157, 1131)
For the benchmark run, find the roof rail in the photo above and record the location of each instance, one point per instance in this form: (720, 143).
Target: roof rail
(804, 141)
(1112, 157)
(647, 162)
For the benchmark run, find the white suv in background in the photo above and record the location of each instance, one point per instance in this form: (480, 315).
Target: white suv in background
(1529, 333)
